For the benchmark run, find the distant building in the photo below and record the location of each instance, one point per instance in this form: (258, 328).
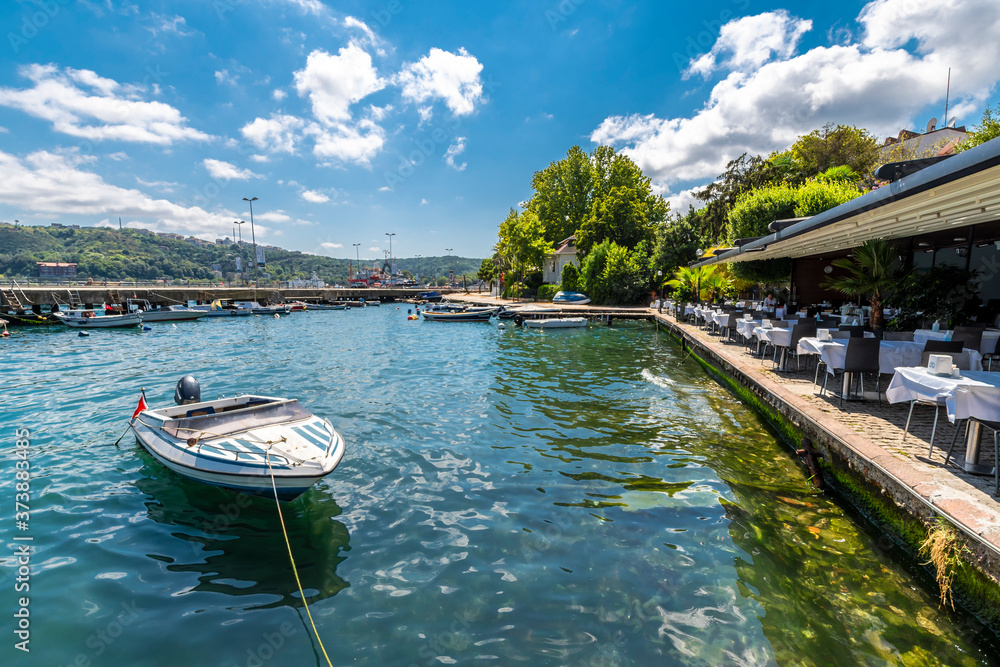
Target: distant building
(554, 263)
(911, 145)
(57, 225)
(56, 270)
(217, 267)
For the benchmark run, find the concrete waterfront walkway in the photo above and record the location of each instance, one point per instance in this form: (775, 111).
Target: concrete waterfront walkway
(870, 439)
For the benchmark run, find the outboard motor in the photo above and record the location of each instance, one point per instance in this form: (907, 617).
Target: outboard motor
(187, 391)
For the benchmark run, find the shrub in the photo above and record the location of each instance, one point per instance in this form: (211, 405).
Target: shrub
(615, 275)
(815, 197)
(756, 209)
(546, 292)
(570, 279)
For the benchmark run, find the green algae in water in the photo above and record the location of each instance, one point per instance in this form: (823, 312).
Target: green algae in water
(576, 497)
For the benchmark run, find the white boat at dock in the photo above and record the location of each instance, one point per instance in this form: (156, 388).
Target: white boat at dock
(88, 319)
(246, 443)
(151, 313)
(257, 309)
(219, 308)
(557, 323)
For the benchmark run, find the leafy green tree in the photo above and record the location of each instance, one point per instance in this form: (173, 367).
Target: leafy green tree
(742, 175)
(988, 128)
(488, 272)
(836, 145)
(624, 209)
(676, 244)
(563, 193)
(521, 245)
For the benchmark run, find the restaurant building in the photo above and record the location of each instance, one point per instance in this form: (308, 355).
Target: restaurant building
(940, 211)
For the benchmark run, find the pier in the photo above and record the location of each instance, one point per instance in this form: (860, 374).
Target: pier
(34, 297)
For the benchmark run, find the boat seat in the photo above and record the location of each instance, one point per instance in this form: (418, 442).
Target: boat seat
(201, 412)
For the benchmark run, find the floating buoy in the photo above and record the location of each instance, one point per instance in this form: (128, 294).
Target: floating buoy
(83, 333)
(174, 325)
(501, 326)
(412, 317)
(147, 328)
(277, 316)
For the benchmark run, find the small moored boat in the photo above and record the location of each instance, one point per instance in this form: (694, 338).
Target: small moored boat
(244, 443)
(557, 323)
(88, 319)
(573, 298)
(458, 316)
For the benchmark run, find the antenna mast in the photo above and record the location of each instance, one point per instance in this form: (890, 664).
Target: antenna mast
(947, 95)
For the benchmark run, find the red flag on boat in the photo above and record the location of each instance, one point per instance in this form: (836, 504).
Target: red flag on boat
(142, 406)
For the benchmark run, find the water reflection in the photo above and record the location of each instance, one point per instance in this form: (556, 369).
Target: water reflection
(233, 541)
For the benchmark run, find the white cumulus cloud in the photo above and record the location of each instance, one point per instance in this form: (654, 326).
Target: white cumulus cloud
(875, 83)
(314, 197)
(49, 183)
(331, 246)
(334, 82)
(225, 171)
(278, 134)
(82, 104)
(450, 77)
(751, 41)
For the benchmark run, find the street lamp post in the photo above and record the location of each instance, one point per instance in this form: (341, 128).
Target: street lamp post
(659, 282)
(417, 266)
(390, 255)
(448, 250)
(253, 236)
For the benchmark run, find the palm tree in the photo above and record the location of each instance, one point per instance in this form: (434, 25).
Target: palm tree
(686, 282)
(874, 274)
(717, 283)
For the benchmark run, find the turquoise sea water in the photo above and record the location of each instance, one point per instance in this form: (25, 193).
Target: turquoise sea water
(585, 497)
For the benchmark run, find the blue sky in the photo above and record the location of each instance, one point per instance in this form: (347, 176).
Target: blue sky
(427, 120)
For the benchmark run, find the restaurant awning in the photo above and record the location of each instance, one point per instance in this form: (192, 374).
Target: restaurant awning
(953, 194)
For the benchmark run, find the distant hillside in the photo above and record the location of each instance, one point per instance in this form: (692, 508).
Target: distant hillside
(114, 254)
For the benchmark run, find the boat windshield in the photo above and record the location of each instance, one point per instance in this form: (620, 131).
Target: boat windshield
(236, 421)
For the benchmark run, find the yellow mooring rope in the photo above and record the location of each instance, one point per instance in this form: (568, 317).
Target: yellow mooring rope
(295, 569)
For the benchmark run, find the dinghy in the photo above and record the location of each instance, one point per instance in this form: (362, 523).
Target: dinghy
(246, 443)
(557, 323)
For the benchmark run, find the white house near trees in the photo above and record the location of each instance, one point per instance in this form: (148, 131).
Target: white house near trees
(554, 263)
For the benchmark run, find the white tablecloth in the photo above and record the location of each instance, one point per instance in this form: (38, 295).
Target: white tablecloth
(892, 354)
(975, 394)
(745, 327)
(774, 335)
(988, 346)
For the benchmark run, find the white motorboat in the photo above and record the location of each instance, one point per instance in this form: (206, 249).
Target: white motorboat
(258, 309)
(219, 309)
(244, 443)
(557, 323)
(527, 312)
(151, 313)
(88, 319)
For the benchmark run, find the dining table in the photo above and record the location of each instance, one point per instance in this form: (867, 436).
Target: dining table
(972, 395)
(892, 354)
(987, 346)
